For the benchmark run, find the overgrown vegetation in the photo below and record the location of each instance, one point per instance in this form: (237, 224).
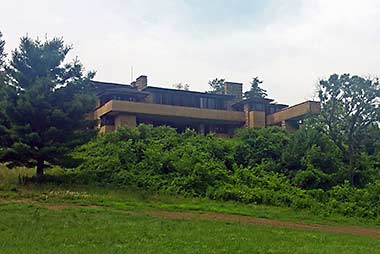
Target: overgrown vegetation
(260, 166)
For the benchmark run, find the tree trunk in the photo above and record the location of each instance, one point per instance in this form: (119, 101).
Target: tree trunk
(40, 170)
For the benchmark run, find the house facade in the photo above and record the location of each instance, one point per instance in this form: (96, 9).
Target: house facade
(121, 105)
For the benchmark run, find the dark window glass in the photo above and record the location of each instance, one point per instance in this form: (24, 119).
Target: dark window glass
(203, 102)
(220, 104)
(166, 99)
(176, 100)
(107, 120)
(258, 107)
(211, 103)
(157, 98)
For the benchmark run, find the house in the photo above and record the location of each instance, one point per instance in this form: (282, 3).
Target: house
(120, 105)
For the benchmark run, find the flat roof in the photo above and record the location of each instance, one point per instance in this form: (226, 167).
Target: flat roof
(155, 88)
(253, 99)
(298, 104)
(104, 88)
(110, 84)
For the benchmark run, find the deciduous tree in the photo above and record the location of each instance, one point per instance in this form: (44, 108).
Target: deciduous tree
(350, 106)
(217, 86)
(181, 86)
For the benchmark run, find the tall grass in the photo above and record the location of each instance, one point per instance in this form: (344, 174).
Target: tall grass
(11, 178)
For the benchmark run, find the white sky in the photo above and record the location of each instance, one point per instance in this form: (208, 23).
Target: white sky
(290, 44)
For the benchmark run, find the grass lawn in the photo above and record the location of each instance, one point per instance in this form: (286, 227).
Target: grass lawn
(137, 200)
(83, 219)
(27, 228)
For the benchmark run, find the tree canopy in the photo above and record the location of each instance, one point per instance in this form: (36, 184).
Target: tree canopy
(181, 86)
(2, 50)
(350, 107)
(46, 106)
(3, 95)
(255, 91)
(217, 86)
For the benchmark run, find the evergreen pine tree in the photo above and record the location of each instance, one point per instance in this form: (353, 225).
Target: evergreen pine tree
(4, 137)
(46, 105)
(256, 91)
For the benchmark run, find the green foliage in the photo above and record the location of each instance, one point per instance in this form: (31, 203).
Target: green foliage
(256, 146)
(47, 101)
(4, 91)
(350, 106)
(181, 86)
(311, 178)
(2, 52)
(217, 86)
(245, 169)
(11, 179)
(255, 91)
(313, 159)
(157, 159)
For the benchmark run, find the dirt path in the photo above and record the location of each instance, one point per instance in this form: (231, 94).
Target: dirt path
(240, 219)
(267, 222)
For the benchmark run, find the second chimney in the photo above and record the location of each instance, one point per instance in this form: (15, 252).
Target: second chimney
(141, 82)
(233, 88)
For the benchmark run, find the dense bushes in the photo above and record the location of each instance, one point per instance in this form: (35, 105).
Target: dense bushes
(262, 166)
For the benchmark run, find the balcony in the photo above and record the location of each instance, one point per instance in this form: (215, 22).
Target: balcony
(295, 112)
(149, 109)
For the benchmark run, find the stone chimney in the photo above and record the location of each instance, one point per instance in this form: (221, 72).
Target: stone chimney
(141, 82)
(233, 88)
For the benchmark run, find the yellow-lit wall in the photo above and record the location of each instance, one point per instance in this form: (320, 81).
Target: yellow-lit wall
(256, 119)
(168, 110)
(296, 111)
(125, 114)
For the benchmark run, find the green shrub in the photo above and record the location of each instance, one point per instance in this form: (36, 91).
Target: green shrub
(255, 146)
(246, 169)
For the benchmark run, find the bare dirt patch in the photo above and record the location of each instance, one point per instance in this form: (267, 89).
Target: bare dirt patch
(267, 222)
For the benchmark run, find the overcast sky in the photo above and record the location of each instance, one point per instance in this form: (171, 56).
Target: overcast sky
(290, 44)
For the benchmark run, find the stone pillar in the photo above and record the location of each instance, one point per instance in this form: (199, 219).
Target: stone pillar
(256, 119)
(124, 120)
(246, 114)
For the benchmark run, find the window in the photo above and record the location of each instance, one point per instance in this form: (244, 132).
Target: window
(208, 103)
(272, 110)
(167, 99)
(211, 103)
(107, 120)
(176, 100)
(203, 102)
(157, 98)
(258, 107)
(220, 104)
